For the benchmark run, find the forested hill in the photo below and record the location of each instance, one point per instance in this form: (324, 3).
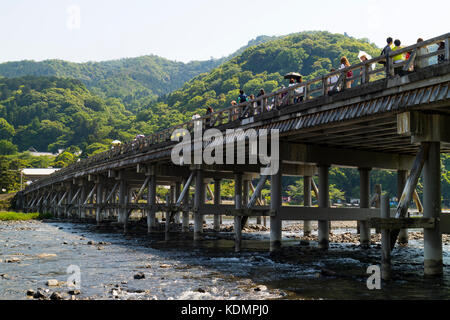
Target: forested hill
(311, 53)
(135, 81)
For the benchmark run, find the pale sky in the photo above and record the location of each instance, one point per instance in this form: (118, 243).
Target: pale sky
(184, 30)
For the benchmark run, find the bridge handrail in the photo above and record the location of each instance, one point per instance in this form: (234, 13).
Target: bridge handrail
(272, 101)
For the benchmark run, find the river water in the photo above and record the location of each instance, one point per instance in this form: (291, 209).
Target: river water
(109, 260)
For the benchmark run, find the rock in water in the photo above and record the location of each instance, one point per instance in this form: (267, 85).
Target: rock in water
(39, 294)
(260, 288)
(201, 290)
(56, 296)
(139, 276)
(74, 292)
(30, 292)
(46, 255)
(52, 283)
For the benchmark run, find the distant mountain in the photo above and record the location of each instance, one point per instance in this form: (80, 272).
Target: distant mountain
(136, 81)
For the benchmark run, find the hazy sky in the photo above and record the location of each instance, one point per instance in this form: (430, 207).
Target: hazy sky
(184, 30)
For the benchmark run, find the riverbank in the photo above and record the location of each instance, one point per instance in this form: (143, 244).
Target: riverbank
(20, 216)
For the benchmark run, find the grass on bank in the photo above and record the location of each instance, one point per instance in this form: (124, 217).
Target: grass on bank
(20, 216)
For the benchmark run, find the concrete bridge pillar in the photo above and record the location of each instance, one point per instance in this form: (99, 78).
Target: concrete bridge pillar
(217, 201)
(432, 209)
(127, 212)
(67, 202)
(99, 202)
(245, 195)
(199, 200)
(81, 199)
(177, 195)
(324, 226)
(238, 198)
(151, 202)
(307, 202)
(364, 199)
(185, 218)
(122, 200)
(402, 176)
(275, 204)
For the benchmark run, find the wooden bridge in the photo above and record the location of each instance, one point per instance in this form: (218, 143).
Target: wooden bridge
(384, 121)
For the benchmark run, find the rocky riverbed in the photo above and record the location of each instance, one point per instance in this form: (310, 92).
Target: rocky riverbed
(35, 257)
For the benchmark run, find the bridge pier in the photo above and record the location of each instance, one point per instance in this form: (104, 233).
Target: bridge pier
(275, 204)
(122, 199)
(185, 214)
(324, 226)
(402, 176)
(68, 201)
(238, 205)
(151, 202)
(432, 209)
(199, 200)
(364, 199)
(81, 199)
(217, 201)
(176, 196)
(307, 201)
(245, 197)
(99, 202)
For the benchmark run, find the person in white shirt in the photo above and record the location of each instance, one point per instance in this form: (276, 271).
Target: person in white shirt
(332, 80)
(299, 91)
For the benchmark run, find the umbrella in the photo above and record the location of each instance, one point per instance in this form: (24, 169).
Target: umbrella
(294, 75)
(116, 142)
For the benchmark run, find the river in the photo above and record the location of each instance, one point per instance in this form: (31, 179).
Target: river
(109, 260)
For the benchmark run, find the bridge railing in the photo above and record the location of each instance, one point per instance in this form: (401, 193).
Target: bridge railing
(331, 83)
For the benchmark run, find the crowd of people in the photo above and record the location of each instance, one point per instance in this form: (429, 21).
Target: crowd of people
(333, 83)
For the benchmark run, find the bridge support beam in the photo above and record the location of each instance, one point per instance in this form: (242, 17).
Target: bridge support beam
(122, 201)
(402, 175)
(67, 202)
(99, 202)
(81, 199)
(238, 205)
(275, 204)
(151, 202)
(217, 201)
(307, 201)
(185, 218)
(364, 199)
(176, 196)
(385, 240)
(199, 199)
(432, 209)
(324, 202)
(245, 196)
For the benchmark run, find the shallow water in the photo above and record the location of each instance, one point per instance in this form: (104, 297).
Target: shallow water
(213, 266)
